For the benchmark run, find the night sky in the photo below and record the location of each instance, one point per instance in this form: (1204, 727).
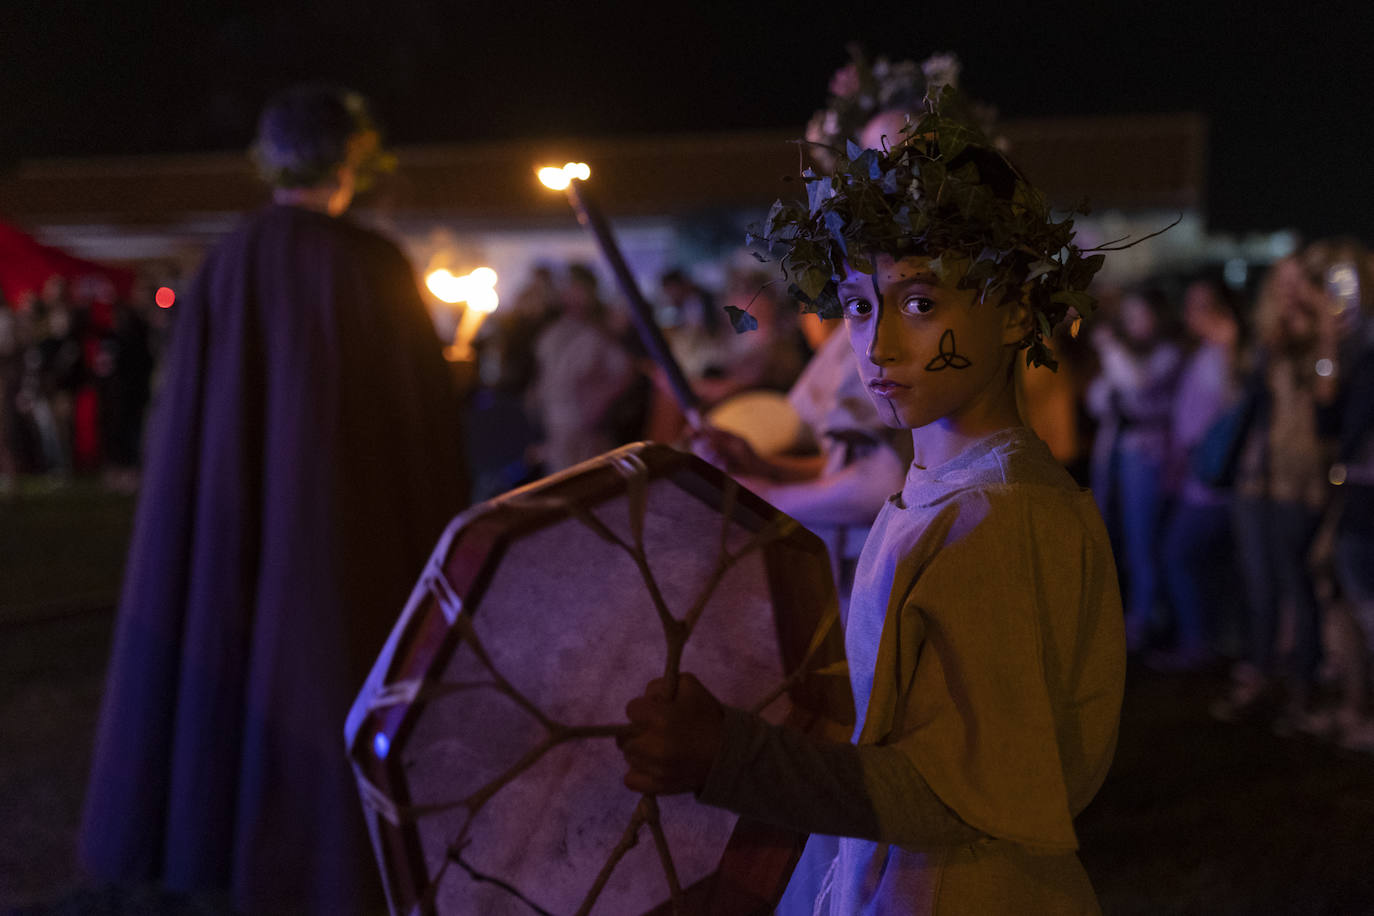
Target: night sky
(1285, 84)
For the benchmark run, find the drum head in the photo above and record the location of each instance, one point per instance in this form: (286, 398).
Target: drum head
(765, 419)
(483, 740)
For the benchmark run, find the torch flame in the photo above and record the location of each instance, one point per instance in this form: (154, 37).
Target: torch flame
(558, 179)
(477, 289)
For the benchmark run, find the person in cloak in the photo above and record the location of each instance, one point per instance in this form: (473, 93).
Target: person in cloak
(302, 461)
(985, 638)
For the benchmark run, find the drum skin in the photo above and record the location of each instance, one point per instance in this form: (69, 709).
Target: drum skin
(535, 621)
(764, 418)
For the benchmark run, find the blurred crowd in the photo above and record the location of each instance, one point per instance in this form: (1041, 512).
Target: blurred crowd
(1227, 433)
(1233, 460)
(76, 379)
(567, 355)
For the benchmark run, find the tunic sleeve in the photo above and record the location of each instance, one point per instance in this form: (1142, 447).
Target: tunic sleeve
(779, 776)
(1001, 678)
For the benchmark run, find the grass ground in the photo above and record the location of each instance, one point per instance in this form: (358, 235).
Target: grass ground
(1201, 817)
(1196, 817)
(61, 547)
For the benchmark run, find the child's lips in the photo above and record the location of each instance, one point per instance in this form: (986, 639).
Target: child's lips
(886, 387)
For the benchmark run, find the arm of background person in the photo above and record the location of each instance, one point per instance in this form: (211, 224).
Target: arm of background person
(850, 496)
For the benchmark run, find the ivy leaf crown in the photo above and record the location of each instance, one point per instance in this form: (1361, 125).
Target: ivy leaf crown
(945, 192)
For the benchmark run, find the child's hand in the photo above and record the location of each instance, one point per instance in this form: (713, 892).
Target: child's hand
(674, 741)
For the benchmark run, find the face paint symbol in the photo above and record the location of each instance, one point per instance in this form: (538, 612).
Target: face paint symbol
(947, 357)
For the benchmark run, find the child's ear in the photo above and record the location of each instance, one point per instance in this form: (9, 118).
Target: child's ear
(1016, 322)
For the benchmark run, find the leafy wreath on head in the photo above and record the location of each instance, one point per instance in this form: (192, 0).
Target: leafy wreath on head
(945, 191)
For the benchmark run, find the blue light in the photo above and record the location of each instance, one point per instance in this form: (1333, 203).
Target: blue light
(1235, 273)
(381, 744)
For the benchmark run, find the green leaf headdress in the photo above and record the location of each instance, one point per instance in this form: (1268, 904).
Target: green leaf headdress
(946, 192)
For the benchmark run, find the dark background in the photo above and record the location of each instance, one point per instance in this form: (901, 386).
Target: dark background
(1285, 84)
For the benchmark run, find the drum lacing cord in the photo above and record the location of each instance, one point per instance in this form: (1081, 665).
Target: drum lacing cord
(630, 465)
(826, 891)
(402, 693)
(437, 584)
(398, 815)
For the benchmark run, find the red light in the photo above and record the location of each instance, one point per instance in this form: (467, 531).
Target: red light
(165, 297)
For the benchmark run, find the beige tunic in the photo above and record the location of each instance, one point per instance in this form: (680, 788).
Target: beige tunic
(987, 661)
(582, 370)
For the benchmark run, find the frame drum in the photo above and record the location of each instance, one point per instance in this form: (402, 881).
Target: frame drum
(763, 418)
(483, 738)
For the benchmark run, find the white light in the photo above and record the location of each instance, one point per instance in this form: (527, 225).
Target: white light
(1342, 281)
(1235, 273)
(554, 178)
(477, 289)
(558, 179)
(445, 286)
(1325, 368)
(483, 299)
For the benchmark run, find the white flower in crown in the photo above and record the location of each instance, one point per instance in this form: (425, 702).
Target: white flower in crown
(941, 70)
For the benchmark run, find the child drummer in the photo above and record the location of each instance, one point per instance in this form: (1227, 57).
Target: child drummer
(984, 637)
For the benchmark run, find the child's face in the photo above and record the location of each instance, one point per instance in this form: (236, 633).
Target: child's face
(926, 349)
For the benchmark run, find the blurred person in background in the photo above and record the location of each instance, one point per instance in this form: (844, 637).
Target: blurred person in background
(695, 327)
(723, 365)
(1280, 494)
(582, 370)
(772, 356)
(687, 304)
(700, 338)
(123, 371)
(509, 334)
(846, 466)
(1051, 400)
(61, 373)
(32, 422)
(854, 461)
(11, 367)
(1197, 550)
(41, 398)
(1132, 399)
(302, 460)
(502, 437)
(1344, 389)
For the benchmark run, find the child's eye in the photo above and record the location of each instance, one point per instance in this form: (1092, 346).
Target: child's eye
(857, 308)
(918, 305)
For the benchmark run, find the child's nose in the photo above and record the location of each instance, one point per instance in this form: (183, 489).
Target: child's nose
(883, 344)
